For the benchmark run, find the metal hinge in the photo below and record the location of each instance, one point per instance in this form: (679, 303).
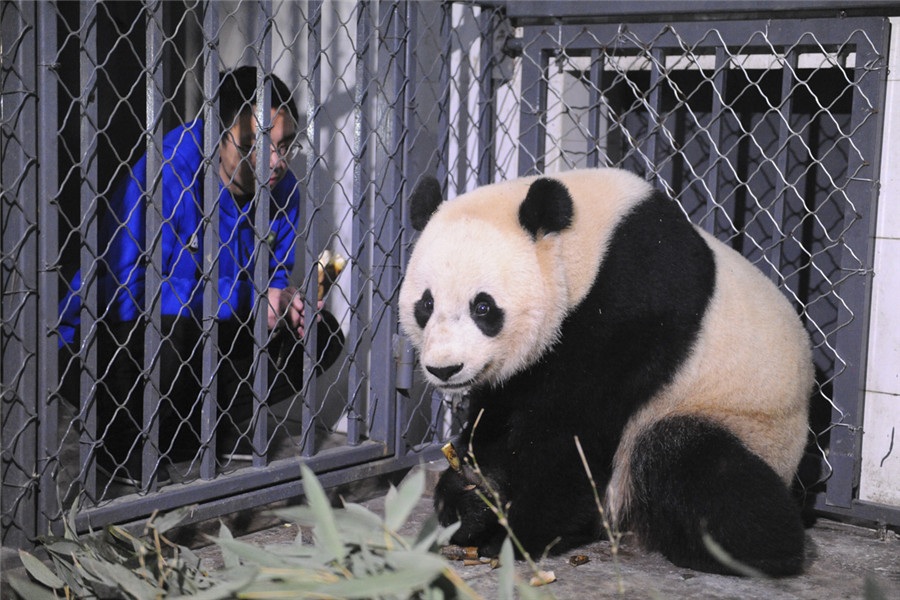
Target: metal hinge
(405, 356)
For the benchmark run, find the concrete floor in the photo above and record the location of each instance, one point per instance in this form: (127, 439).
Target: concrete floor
(842, 560)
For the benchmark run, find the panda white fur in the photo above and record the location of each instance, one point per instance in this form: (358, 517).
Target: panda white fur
(585, 304)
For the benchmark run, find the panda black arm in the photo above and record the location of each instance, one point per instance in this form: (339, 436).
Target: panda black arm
(456, 496)
(531, 467)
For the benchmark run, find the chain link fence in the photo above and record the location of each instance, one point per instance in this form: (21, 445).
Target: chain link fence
(142, 368)
(766, 132)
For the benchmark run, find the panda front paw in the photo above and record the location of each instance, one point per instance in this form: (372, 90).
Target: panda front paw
(457, 500)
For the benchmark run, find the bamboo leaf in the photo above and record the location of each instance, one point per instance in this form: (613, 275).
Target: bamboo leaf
(189, 557)
(263, 589)
(529, 592)
(170, 520)
(400, 502)
(238, 581)
(136, 543)
(359, 516)
(60, 545)
(253, 554)
(365, 562)
(428, 534)
(105, 547)
(298, 554)
(396, 583)
(70, 574)
(299, 515)
(409, 560)
(326, 527)
(40, 571)
(432, 534)
(124, 578)
(229, 558)
(30, 591)
(507, 576)
(69, 522)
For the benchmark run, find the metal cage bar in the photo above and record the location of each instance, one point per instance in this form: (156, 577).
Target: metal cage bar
(357, 377)
(18, 303)
(314, 189)
(533, 130)
(856, 259)
(596, 119)
(444, 81)
(152, 247)
(486, 110)
(91, 433)
(386, 240)
(48, 283)
(656, 168)
(713, 174)
(773, 260)
(261, 213)
(211, 236)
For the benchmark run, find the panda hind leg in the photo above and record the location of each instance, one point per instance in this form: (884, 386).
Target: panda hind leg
(692, 477)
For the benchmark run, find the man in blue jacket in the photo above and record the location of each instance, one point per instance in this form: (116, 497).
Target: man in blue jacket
(122, 296)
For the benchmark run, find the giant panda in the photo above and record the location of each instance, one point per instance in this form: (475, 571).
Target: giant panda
(585, 304)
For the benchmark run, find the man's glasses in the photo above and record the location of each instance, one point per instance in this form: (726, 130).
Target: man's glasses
(285, 151)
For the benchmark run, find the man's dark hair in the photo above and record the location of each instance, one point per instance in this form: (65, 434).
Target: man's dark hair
(237, 95)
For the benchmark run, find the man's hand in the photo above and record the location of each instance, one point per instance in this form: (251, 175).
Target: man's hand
(287, 304)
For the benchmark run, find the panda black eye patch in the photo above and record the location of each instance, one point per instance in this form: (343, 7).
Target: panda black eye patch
(423, 308)
(486, 314)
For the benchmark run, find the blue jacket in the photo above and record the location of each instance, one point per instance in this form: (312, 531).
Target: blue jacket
(121, 267)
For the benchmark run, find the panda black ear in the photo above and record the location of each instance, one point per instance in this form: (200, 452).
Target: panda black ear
(425, 199)
(547, 208)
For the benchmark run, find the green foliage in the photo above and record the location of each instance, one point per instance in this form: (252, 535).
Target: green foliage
(354, 554)
(113, 564)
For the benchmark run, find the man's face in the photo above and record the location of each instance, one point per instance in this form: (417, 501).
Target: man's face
(238, 154)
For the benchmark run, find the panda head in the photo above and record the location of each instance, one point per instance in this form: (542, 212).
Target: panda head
(483, 296)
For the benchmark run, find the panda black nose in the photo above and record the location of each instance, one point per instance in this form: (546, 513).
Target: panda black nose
(445, 373)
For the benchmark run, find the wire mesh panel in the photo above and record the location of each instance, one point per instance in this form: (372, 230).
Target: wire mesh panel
(767, 133)
(196, 179)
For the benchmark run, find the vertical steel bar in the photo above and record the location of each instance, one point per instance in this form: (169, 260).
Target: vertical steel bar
(533, 107)
(309, 257)
(486, 99)
(402, 351)
(444, 127)
(313, 193)
(361, 227)
(655, 123)
(263, 201)
(595, 109)
(92, 430)
(854, 289)
(714, 132)
(261, 223)
(386, 255)
(153, 210)
(211, 239)
(48, 281)
(776, 211)
(19, 199)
